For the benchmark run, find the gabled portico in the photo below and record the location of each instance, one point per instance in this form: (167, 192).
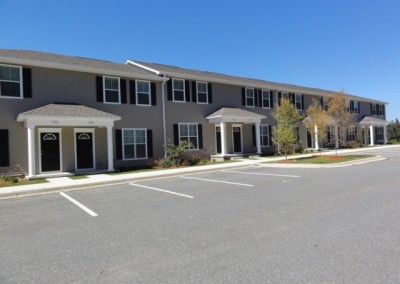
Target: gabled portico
(371, 125)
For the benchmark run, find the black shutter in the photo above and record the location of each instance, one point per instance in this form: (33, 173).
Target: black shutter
(123, 90)
(169, 89)
(176, 134)
(200, 133)
(4, 148)
(187, 90)
(99, 89)
(351, 106)
(256, 98)
(260, 99)
(149, 143)
(153, 94)
(243, 96)
(209, 93)
(194, 91)
(370, 105)
(27, 82)
(253, 134)
(321, 101)
(118, 143)
(270, 134)
(271, 99)
(279, 98)
(291, 97)
(302, 102)
(132, 92)
(383, 109)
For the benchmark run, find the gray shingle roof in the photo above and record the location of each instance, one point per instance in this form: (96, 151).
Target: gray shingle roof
(371, 120)
(45, 59)
(235, 112)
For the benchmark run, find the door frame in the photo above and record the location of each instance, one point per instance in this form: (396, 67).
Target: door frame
(241, 139)
(84, 130)
(50, 130)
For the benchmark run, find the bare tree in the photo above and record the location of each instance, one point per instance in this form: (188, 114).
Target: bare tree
(317, 120)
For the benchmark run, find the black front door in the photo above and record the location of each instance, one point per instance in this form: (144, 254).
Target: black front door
(84, 150)
(50, 151)
(237, 139)
(309, 139)
(218, 137)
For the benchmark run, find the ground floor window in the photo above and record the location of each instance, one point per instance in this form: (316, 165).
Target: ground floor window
(379, 133)
(189, 132)
(351, 134)
(134, 143)
(264, 135)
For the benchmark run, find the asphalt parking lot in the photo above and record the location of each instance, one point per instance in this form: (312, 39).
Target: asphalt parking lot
(248, 225)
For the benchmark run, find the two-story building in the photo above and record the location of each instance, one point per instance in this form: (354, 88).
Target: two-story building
(63, 114)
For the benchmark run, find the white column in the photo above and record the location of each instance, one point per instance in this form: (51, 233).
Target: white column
(110, 148)
(223, 138)
(371, 134)
(385, 134)
(316, 137)
(365, 136)
(31, 152)
(258, 142)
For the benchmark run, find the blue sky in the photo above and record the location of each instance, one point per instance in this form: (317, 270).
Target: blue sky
(350, 44)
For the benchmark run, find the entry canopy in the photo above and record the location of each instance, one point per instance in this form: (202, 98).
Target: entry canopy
(371, 120)
(67, 115)
(234, 115)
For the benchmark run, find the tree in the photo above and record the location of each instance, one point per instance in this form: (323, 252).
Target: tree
(338, 111)
(287, 118)
(317, 120)
(394, 130)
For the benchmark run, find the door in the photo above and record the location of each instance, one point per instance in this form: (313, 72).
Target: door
(218, 139)
(84, 150)
(50, 152)
(309, 139)
(237, 139)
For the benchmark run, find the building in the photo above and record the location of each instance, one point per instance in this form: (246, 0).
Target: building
(69, 114)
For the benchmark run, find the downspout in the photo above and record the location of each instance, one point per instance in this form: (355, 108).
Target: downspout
(166, 79)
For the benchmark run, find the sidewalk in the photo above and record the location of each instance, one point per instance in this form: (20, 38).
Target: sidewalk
(66, 183)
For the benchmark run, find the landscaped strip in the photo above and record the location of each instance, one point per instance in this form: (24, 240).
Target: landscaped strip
(23, 182)
(324, 159)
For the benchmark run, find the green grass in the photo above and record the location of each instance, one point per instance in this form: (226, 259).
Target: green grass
(78, 177)
(325, 159)
(24, 182)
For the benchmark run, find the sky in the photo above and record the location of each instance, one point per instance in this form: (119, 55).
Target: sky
(333, 45)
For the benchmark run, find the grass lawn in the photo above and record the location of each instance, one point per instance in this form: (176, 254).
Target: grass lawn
(325, 159)
(78, 177)
(4, 183)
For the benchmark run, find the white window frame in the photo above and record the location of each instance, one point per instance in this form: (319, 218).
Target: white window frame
(123, 143)
(250, 97)
(373, 110)
(356, 106)
(197, 92)
(173, 90)
(197, 134)
(21, 94)
(104, 90)
(379, 133)
(84, 130)
(268, 92)
(51, 130)
(351, 133)
(285, 95)
(261, 135)
(379, 110)
(137, 92)
(296, 97)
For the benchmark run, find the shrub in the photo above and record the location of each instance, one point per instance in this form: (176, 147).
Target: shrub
(8, 178)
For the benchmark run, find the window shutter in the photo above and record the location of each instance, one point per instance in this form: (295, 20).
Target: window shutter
(291, 97)
(118, 143)
(302, 102)
(123, 90)
(153, 94)
(253, 134)
(370, 105)
(200, 130)
(169, 89)
(383, 110)
(27, 82)
(270, 135)
(209, 93)
(132, 92)
(260, 98)
(243, 96)
(271, 99)
(176, 134)
(279, 98)
(4, 148)
(187, 90)
(256, 98)
(194, 91)
(99, 89)
(359, 107)
(321, 101)
(351, 106)
(149, 143)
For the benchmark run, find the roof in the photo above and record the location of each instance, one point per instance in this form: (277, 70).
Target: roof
(229, 114)
(73, 63)
(173, 71)
(372, 120)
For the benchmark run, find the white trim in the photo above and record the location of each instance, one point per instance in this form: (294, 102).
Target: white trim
(197, 133)
(268, 135)
(173, 90)
(143, 67)
(301, 101)
(85, 130)
(136, 92)
(50, 130)
(21, 89)
(104, 90)
(197, 92)
(269, 98)
(245, 97)
(123, 143)
(241, 138)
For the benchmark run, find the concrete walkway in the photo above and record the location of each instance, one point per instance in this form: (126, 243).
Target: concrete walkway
(66, 183)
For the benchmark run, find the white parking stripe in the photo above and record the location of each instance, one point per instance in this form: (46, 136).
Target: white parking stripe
(261, 174)
(80, 205)
(220, 181)
(162, 190)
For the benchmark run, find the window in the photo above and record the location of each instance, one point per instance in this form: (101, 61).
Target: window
(265, 97)
(285, 95)
(188, 132)
(264, 135)
(10, 82)
(202, 92)
(249, 97)
(298, 101)
(178, 90)
(351, 134)
(380, 109)
(134, 144)
(143, 93)
(373, 109)
(355, 107)
(379, 133)
(111, 90)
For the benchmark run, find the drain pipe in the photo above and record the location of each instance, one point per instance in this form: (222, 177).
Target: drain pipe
(166, 79)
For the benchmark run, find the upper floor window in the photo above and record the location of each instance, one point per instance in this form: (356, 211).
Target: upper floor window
(298, 99)
(373, 109)
(250, 97)
(202, 92)
(380, 109)
(112, 92)
(143, 93)
(10, 81)
(178, 90)
(189, 132)
(266, 99)
(285, 95)
(356, 107)
(134, 143)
